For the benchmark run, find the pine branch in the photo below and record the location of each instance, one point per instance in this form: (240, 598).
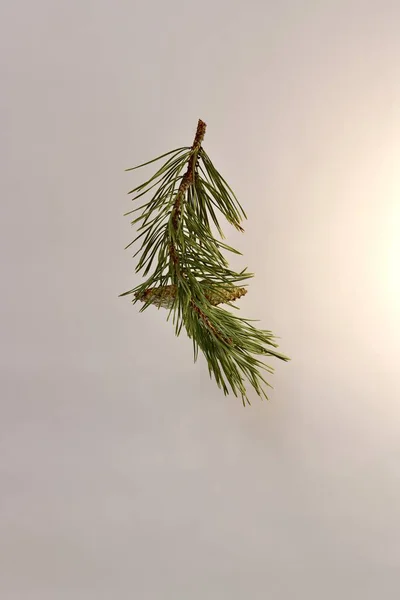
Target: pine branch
(192, 277)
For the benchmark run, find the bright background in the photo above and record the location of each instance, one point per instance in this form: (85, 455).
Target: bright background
(125, 472)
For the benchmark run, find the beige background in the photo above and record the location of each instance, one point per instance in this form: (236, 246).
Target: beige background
(125, 473)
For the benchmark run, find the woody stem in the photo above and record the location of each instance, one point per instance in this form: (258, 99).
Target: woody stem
(186, 182)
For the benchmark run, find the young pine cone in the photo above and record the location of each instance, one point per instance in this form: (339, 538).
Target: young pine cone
(164, 296)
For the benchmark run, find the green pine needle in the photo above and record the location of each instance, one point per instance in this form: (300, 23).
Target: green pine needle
(186, 271)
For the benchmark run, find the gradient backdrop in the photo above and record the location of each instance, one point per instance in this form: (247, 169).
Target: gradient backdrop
(125, 472)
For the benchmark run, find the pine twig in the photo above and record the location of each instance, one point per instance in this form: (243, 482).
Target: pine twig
(192, 277)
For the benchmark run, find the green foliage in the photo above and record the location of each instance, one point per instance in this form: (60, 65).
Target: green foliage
(186, 271)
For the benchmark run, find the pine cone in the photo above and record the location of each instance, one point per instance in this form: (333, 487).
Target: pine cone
(164, 296)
